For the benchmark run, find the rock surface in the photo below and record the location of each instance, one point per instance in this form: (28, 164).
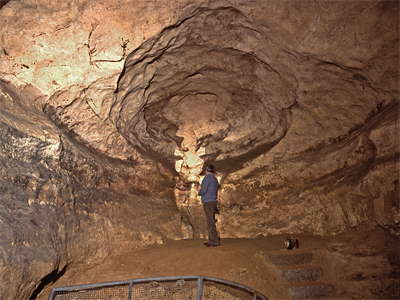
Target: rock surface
(60, 207)
(110, 110)
(352, 265)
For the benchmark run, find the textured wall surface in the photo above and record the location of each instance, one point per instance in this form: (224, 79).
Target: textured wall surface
(109, 111)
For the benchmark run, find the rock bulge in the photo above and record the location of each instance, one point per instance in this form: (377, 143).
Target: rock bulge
(200, 83)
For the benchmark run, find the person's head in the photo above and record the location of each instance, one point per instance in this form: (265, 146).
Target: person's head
(210, 169)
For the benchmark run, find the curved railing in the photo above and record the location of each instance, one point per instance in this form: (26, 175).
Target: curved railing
(162, 288)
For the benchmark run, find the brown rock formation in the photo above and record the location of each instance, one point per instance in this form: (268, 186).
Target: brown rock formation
(109, 112)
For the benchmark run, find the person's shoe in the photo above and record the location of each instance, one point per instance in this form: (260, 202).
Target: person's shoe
(207, 244)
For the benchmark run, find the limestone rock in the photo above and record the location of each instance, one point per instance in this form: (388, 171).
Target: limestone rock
(61, 205)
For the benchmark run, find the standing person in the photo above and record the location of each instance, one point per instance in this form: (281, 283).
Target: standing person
(208, 192)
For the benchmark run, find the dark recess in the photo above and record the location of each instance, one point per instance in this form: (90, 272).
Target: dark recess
(3, 2)
(48, 279)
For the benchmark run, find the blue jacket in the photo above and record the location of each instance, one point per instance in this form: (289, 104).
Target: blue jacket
(209, 188)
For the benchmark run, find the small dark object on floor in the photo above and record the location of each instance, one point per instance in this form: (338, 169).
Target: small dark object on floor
(291, 243)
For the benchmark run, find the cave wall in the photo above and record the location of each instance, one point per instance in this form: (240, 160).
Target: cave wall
(297, 136)
(63, 203)
(110, 111)
(59, 207)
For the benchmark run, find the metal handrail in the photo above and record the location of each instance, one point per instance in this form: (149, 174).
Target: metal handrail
(200, 285)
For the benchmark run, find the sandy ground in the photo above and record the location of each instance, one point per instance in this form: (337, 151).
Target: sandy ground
(360, 264)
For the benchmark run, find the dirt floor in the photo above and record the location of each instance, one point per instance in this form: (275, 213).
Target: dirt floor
(361, 264)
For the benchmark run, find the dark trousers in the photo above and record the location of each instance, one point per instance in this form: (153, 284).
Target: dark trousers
(210, 209)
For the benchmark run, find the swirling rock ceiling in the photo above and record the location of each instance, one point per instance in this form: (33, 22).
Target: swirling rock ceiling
(204, 83)
(124, 102)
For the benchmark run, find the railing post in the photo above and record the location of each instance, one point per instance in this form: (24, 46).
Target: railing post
(52, 294)
(200, 282)
(255, 296)
(130, 291)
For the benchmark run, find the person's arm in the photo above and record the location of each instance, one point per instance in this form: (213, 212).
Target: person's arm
(204, 186)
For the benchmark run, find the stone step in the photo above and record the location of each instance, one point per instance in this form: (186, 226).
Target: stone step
(311, 291)
(303, 274)
(291, 259)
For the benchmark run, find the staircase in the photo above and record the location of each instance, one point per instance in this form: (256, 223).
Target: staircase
(303, 277)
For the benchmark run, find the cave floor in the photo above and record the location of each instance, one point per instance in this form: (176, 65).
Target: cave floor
(360, 264)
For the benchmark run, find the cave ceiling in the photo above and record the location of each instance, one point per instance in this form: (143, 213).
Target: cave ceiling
(227, 81)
